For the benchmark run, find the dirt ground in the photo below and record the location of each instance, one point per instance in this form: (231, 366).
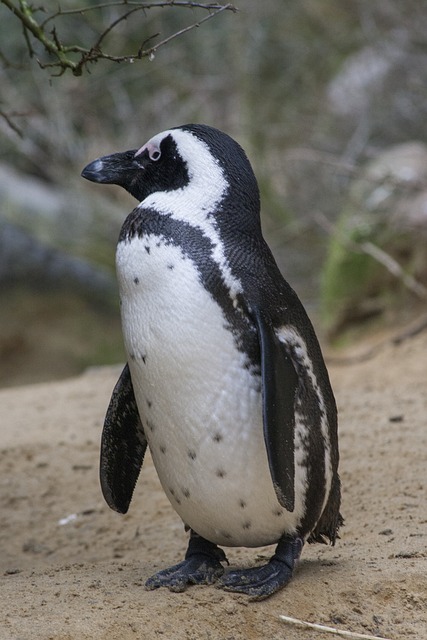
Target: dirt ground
(71, 569)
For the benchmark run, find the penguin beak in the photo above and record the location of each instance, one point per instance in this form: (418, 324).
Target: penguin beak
(114, 169)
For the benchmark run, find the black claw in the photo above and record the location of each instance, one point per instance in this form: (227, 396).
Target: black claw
(261, 582)
(201, 566)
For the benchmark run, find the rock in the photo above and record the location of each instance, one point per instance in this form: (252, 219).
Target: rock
(376, 98)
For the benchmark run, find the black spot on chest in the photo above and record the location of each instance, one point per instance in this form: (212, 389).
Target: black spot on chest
(199, 248)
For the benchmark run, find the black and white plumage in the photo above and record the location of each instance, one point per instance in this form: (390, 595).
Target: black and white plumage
(225, 378)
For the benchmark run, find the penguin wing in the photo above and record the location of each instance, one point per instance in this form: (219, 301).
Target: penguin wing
(123, 446)
(279, 386)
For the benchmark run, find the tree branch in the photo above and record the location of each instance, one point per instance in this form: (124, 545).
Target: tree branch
(8, 118)
(60, 51)
(394, 268)
(142, 6)
(25, 14)
(372, 250)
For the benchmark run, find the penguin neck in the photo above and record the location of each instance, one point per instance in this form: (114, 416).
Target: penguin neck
(184, 204)
(220, 214)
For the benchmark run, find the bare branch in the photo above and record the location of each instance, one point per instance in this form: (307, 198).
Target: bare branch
(195, 25)
(60, 51)
(8, 118)
(394, 268)
(95, 53)
(25, 14)
(142, 6)
(97, 46)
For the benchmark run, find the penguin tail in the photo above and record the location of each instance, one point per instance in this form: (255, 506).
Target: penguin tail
(326, 529)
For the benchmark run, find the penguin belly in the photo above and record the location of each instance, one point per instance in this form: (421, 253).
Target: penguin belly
(199, 400)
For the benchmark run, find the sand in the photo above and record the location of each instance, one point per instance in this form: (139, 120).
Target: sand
(72, 569)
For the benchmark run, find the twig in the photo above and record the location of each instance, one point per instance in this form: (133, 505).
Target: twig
(97, 46)
(195, 25)
(209, 6)
(11, 124)
(377, 254)
(394, 268)
(95, 53)
(24, 14)
(332, 630)
(417, 327)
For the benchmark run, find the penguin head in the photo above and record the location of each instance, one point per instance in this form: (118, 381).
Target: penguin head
(192, 159)
(156, 166)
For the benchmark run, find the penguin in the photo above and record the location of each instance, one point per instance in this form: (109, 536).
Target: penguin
(225, 381)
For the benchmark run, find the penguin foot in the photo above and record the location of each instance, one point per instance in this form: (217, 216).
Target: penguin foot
(202, 565)
(261, 582)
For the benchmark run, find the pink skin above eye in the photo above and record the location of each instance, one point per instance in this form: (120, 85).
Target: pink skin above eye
(153, 151)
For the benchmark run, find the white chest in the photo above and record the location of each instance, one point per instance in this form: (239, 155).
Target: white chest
(199, 403)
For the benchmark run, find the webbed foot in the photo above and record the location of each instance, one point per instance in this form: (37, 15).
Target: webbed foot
(202, 565)
(261, 582)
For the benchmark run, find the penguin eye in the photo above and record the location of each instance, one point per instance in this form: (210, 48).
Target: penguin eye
(155, 155)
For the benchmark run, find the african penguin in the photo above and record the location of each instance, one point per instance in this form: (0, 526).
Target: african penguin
(225, 380)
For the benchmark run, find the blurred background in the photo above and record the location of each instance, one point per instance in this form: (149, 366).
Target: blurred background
(329, 100)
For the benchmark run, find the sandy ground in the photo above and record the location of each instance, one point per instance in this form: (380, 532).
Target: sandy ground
(72, 569)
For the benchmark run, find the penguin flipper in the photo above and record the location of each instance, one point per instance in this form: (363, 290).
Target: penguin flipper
(123, 446)
(279, 385)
